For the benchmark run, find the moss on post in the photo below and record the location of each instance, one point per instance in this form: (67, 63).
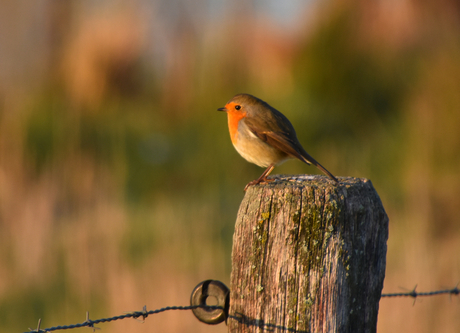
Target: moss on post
(308, 256)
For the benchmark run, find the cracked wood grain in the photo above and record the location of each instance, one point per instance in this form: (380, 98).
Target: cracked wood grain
(308, 256)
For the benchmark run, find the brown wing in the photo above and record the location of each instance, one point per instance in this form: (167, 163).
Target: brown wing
(276, 130)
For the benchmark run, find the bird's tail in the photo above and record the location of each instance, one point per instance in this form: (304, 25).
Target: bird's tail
(310, 160)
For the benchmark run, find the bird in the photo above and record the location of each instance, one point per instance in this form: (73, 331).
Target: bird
(264, 136)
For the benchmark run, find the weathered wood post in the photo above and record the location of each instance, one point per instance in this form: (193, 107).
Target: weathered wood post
(308, 256)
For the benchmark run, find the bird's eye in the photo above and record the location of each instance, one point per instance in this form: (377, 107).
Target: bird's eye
(237, 107)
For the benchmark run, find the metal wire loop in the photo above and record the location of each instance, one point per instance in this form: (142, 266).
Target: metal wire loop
(204, 290)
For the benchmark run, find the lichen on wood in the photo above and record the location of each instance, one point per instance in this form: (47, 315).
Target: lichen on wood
(308, 256)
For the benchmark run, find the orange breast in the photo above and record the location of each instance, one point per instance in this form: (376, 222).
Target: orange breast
(233, 119)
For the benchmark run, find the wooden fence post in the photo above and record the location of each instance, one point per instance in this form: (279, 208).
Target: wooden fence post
(308, 256)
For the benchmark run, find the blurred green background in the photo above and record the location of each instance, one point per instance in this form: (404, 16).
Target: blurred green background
(119, 186)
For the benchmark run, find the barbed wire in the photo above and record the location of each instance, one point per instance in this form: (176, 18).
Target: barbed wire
(136, 314)
(414, 294)
(144, 313)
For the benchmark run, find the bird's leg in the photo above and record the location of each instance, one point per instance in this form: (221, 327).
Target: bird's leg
(262, 178)
(264, 175)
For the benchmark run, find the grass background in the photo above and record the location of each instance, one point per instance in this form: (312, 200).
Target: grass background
(119, 186)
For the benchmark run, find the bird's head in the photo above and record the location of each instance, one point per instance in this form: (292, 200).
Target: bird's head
(242, 104)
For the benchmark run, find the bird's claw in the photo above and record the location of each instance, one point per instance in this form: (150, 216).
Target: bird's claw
(258, 181)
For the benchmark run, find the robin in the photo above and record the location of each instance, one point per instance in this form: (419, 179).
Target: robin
(264, 136)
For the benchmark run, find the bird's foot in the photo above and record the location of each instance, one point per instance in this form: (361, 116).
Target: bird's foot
(258, 181)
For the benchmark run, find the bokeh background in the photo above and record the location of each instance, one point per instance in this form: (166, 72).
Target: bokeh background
(119, 186)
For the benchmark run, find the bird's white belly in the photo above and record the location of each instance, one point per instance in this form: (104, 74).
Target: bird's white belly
(255, 150)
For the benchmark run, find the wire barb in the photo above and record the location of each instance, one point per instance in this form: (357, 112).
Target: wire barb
(38, 330)
(136, 314)
(90, 323)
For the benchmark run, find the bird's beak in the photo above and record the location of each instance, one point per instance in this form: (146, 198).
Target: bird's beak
(222, 109)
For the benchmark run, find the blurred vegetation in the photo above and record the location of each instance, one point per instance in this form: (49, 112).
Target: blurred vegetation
(119, 186)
